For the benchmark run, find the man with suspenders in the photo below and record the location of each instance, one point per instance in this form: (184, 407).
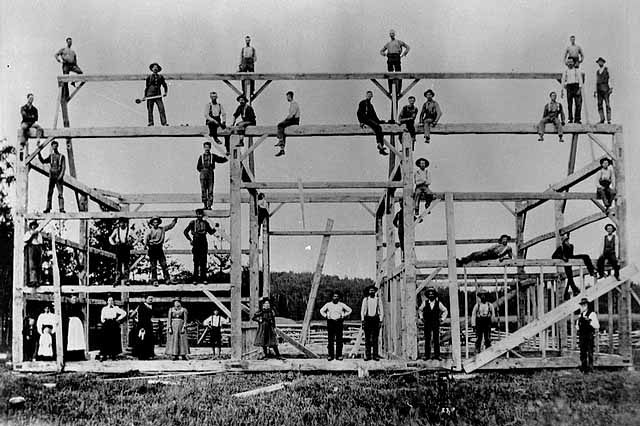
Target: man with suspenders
(121, 241)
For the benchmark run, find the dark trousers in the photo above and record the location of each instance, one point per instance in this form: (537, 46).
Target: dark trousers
(68, 67)
(586, 351)
(334, 331)
(25, 131)
(411, 127)
(553, 120)
(156, 255)
(160, 104)
(394, 65)
(213, 126)
(57, 183)
(613, 261)
(605, 192)
(401, 239)
(199, 250)
(123, 252)
(478, 256)
(569, 273)
(215, 336)
(431, 331)
(247, 65)
(34, 264)
(263, 215)
(377, 129)
(483, 331)
(603, 98)
(30, 344)
(206, 187)
(422, 192)
(574, 97)
(283, 125)
(371, 328)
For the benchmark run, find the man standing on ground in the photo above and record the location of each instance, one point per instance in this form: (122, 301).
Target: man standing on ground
(57, 167)
(395, 50)
(603, 89)
(335, 312)
(196, 232)
(572, 80)
(215, 323)
(408, 116)
(371, 314)
(367, 117)
(553, 113)
(206, 167)
(481, 319)
(587, 326)
(574, 52)
(153, 85)
(565, 253)
(292, 119)
(154, 242)
(29, 115)
(430, 114)
(610, 246)
(433, 313)
(68, 58)
(247, 117)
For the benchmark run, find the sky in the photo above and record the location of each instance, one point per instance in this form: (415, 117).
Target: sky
(120, 37)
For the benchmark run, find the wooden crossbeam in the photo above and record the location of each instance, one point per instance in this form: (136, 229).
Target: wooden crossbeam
(301, 199)
(253, 147)
(260, 90)
(275, 210)
(458, 242)
(602, 146)
(170, 252)
(392, 148)
(368, 209)
(129, 214)
(323, 185)
(79, 246)
(409, 87)
(569, 228)
(334, 233)
(546, 320)
(232, 87)
(508, 208)
(381, 88)
(138, 288)
(218, 303)
(38, 150)
(315, 283)
(293, 342)
(427, 264)
(427, 280)
(77, 89)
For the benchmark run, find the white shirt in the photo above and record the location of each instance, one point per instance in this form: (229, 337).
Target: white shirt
(215, 321)
(371, 306)
(422, 177)
(571, 76)
(335, 311)
(607, 174)
(262, 203)
(47, 319)
(35, 241)
(109, 313)
(214, 110)
(249, 52)
(119, 236)
(294, 110)
(594, 321)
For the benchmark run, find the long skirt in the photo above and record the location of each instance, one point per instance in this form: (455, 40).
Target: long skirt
(45, 347)
(177, 344)
(143, 341)
(266, 335)
(75, 335)
(111, 343)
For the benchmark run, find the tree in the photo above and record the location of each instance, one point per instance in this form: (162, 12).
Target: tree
(7, 177)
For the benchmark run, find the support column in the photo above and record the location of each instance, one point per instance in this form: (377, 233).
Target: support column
(561, 325)
(520, 254)
(57, 304)
(236, 252)
(456, 349)
(382, 284)
(266, 261)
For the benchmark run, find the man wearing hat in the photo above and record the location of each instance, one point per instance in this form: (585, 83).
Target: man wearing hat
(57, 167)
(603, 89)
(482, 317)
(433, 313)
(33, 241)
(152, 89)
(565, 252)
(206, 167)
(247, 116)
(422, 179)
(154, 241)
(553, 113)
(122, 242)
(587, 326)
(430, 114)
(367, 117)
(196, 232)
(606, 183)
(500, 251)
(610, 246)
(371, 314)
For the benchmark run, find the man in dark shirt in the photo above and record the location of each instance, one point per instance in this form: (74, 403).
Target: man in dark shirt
(69, 59)
(247, 117)
(565, 252)
(206, 167)
(152, 90)
(610, 246)
(196, 232)
(553, 113)
(29, 119)
(57, 167)
(408, 116)
(430, 114)
(398, 222)
(603, 89)
(367, 117)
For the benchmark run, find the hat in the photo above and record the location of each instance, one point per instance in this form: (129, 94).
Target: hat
(430, 91)
(206, 143)
(606, 227)
(155, 219)
(241, 97)
(508, 237)
(372, 287)
(600, 59)
(431, 290)
(33, 224)
(156, 64)
(422, 159)
(584, 301)
(123, 219)
(602, 160)
(200, 211)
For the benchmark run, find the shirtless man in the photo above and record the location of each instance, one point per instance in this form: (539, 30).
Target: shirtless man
(574, 52)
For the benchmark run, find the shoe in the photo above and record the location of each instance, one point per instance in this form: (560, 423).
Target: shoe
(329, 358)
(366, 358)
(184, 358)
(155, 283)
(62, 211)
(617, 277)
(608, 121)
(427, 140)
(280, 153)
(601, 122)
(340, 358)
(560, 139)
(376, 358)
(279, 144)
(578, 121)
(382, 151)
(45, 211)
(150, 124)
(165, 124)
(540, 139)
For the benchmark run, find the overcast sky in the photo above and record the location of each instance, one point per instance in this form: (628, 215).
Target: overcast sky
(120, 37)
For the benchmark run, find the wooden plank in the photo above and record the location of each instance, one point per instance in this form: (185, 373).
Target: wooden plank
(566, 229)
(355, 349)
(315, 284)
(76, 91)
(260, 90)
(94, 215)
(491, 240)
(138, 288)
(301, 199)
(38, 150)
(602, 146)
(427, 280)
(187, 252)
(571, 167)
(232, 87)
(368, 209)
(21, 188)
(409, 87)
(218, 303)
(253, 147)
(266, 260)
(335, 233)
(82, 247)
(57, 304)
(296, 344)
(508, 208)
(559, 224)
(323, 185)
(553, 316)
(254, 253)
(384, 91)
(235, 229)
(456, 350)
(424, 264)
(259, 391)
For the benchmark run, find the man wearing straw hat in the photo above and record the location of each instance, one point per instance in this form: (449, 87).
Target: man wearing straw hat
(422, 179)
(610, 246)
(154, 82)
(433, 313)
(587, 326)
(154, 241)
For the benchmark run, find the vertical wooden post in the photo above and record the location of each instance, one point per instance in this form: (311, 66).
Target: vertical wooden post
(266, 262)
(236, 252)
(254, 260)
(466, 315)
(382, 285)
(453, 281)
(610, 320)
(391, 321)
(408, 287)
(20, 210)
(562, 325)
(57, 304)
(540, 302)
(571, 167)
(315, 284)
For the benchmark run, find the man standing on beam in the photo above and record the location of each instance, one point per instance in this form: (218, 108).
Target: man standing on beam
(367, 117)
(57, 167)
(394, 50)
(154, 242)
(69, 59)
(153, 93)
(196, 232)
(206, 167)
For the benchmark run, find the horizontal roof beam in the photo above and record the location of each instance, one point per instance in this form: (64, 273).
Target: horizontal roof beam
(323, 185)
(146, 288)
(93, 215)
(565, 229)
(334, 233)
(308, 130)
(317, 76)
(424, 264)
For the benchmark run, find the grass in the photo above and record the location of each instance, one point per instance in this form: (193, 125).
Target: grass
(543, 398)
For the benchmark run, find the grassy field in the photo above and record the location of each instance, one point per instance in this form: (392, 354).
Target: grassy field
(544, 398)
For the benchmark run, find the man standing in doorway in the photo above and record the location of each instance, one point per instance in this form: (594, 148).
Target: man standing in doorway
(433, 313)
(335, 312)
(371, 314)
(395, 50)
(57, 167)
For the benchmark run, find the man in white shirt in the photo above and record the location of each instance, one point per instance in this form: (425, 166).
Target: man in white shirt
(433, 313)
(610, 248)
(292, 119)
(122, 243)
(482, 316)
(215, 117)
(606, 183)
(422, 179)
(371, 314)
(215, 323)
(587, 326)
(248, 56)
(572, 80)
(335, 312)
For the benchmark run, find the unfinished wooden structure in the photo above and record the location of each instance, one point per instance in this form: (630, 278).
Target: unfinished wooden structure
(541, 316)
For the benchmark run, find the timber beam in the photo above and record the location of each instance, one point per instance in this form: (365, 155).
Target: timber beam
(128, 214)
(425, 264)
(323, 185)
(334, 233)
(566, 229)
(131, 288)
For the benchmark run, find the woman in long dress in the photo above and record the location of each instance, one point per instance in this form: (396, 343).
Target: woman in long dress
(266, 336)
(144, 339)
(75, 331)
(111, 316)
(177, 344)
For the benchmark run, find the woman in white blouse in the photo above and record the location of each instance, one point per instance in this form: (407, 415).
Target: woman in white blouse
(606, 183)
(111, 316)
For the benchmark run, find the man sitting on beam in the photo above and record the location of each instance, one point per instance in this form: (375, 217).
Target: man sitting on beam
(499, 251)
(565, 252)
(367, 117)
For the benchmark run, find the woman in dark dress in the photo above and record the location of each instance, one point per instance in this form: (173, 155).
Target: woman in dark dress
(111, 317)
(75, 346)
(143, 337)
(266, 336)
(177, 344)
